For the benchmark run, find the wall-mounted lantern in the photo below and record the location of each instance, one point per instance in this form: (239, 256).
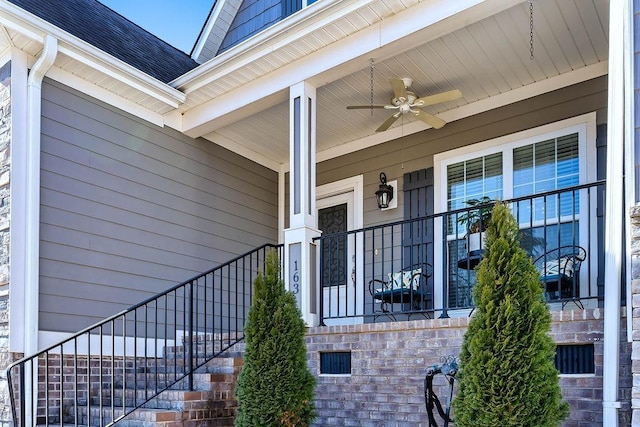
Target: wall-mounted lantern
(384, 195)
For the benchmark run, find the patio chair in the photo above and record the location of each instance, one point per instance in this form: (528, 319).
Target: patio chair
(407, 286)
(560, 273)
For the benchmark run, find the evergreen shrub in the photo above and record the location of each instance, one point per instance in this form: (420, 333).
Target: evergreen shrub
(507, 371)
(275, 388)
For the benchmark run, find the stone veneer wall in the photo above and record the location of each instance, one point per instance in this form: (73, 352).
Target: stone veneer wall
(390, 359)
(5, 165)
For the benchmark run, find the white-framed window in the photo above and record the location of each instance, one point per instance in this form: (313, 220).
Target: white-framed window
(551, 157)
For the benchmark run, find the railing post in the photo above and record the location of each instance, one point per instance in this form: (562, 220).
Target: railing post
(445, 270)
(190, 360)
(23, 395)
(321, 284)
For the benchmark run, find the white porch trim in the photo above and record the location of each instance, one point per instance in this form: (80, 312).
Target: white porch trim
(18, 213)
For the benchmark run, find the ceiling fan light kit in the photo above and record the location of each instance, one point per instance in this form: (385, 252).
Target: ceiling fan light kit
(406, 101)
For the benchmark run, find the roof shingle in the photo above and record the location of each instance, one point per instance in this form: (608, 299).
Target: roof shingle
(109, 31)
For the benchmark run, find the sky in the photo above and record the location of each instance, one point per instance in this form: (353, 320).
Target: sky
(178, 22)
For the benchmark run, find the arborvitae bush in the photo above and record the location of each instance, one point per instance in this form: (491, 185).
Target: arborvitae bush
(275, 387)
(508, 376)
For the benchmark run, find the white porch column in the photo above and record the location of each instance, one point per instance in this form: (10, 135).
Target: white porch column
(614, 205)
(299, 249)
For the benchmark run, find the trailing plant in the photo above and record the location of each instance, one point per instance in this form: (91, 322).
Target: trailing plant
(275, 388)
(508, 376)
(477, 218)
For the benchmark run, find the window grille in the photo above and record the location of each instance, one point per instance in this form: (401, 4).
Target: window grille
(575, 359)
(336, 363)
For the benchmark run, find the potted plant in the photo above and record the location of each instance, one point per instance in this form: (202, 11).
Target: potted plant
(476, 220)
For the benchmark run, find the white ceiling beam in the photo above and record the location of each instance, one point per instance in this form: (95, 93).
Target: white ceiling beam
(413, 27)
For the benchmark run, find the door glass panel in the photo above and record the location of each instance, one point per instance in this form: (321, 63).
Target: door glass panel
(334, 250)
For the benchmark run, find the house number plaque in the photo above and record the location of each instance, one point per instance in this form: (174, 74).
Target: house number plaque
(295, 262)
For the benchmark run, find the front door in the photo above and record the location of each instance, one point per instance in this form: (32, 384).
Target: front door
(341, 301)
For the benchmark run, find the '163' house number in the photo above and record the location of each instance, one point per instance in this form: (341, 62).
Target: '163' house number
(294, 271)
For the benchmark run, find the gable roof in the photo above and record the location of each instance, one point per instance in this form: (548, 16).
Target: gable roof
(109, 31)
(215, 29)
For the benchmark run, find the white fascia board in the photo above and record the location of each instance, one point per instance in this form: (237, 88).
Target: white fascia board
(208, 27)
(31, 26)
(401, 31)
(123, 72)
(516, 95)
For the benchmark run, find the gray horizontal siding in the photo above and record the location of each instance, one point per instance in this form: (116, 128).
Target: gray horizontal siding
(129, 209)
(416, 151)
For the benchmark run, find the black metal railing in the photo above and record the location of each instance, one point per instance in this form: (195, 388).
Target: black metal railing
(106, 371)
(425, 266)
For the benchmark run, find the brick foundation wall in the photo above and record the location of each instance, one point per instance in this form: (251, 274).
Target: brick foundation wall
(389, 362)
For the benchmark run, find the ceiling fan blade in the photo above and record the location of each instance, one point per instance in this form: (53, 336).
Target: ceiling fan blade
(399, 89)
(364, 107)
(438, 98)
(429, 119)
(384, 126)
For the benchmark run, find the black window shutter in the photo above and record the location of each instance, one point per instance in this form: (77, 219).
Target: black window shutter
(418, 203)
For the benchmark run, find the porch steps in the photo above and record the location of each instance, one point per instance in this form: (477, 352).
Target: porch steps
(212, 403)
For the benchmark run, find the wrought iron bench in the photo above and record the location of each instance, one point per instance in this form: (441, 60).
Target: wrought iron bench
(560, 272)
(408, 286)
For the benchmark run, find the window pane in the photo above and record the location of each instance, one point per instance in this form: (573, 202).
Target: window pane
(545, 160)
(523, 165)
(455, 179)
(473, 179)
(546, 166)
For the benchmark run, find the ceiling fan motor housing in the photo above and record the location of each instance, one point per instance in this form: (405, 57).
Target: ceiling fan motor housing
(409, 100)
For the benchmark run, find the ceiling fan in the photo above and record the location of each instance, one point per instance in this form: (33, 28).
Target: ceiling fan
(406, 101)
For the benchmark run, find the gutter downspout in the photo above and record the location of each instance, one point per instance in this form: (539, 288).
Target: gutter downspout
(614, 206)
(32, 247)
